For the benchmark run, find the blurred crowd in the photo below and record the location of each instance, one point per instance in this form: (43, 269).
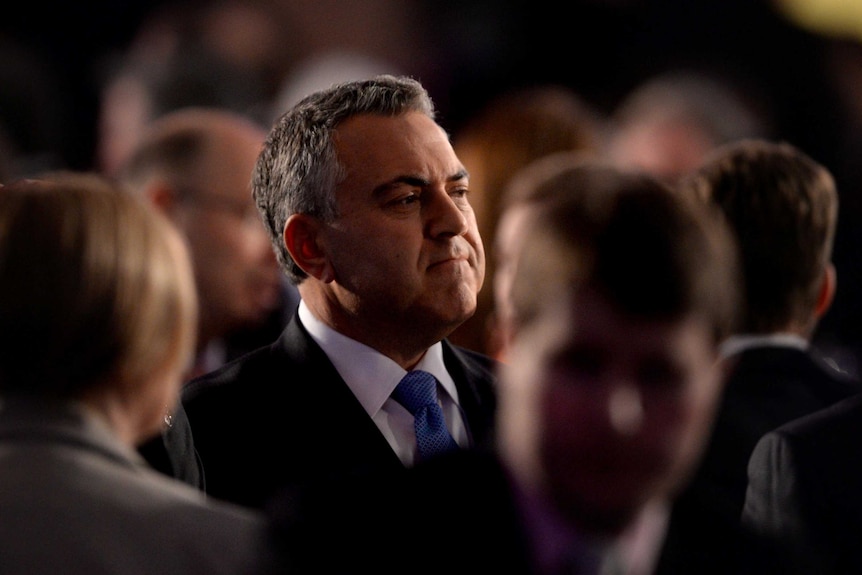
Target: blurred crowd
(566, 131)
(78, 82)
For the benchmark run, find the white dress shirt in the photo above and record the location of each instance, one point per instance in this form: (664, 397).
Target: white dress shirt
(738, 343)
(372, 377)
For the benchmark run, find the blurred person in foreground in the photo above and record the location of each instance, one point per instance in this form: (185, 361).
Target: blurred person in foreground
(97, 327)
(605, 402)
(367, 207)
(194, 165)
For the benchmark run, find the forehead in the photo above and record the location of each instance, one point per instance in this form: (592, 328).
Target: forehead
(229, 160)
(588, 319)
(375, 149)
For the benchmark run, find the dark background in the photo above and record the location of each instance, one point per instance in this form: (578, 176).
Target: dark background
(53, 58)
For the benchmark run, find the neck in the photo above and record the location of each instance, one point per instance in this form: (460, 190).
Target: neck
(403, 345)
(118, 415)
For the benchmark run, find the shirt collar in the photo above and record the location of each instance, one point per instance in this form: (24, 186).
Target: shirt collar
(371, 376)
(738, 343)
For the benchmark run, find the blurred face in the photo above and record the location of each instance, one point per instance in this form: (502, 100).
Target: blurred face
(507, 242)
(405, 251)
(667, 149)
(603, 412)
(235, 268)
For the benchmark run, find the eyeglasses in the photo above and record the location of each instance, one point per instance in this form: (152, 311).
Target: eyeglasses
(239, 209)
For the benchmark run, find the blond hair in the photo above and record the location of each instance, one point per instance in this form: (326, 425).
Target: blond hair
(97, 287)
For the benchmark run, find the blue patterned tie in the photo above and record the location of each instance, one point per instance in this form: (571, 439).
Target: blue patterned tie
(417, 391)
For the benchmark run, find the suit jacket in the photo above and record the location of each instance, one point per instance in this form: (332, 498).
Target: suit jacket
(765, 387)
(805, 480)
(74, 500)
(173, 453)
(282, 415)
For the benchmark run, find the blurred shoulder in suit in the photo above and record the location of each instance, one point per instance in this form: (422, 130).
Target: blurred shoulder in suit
(98, 316)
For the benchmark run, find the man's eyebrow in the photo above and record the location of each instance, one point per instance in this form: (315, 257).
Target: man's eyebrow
(416, 181)
(461, 174)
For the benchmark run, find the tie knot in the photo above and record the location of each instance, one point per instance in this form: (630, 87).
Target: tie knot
(416, 390)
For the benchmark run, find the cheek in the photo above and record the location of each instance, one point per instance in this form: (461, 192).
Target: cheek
(572, 421)
(212, 245)
(475, 240)
(700, 410)
(373, 249)
(566, 405)
(678, 427)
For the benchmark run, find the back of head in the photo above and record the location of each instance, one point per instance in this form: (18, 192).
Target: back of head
(652, 253)
(298, 168)
(783, 207)
(97, 288)
(182, 147)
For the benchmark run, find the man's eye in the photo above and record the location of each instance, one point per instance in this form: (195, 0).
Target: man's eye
(459, 193)
(404, 201)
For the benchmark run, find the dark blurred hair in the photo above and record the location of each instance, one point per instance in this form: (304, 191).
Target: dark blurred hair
(650, 251)
(783, 207)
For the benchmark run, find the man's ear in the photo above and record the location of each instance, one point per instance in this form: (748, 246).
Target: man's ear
(163, 197)
(827, 291)
(302, 238)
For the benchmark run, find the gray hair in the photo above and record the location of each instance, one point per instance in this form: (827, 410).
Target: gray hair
(297, 170)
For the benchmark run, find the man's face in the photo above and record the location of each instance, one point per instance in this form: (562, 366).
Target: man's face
(605, 412)
(405, 250)
(507, 242)
(235, 267)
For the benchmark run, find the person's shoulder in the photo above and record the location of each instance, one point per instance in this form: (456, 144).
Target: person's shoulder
(138, 487)
(829, 421)
(816, 373)
(248, 370)
(844, 378)
(778, 359)
(229, 538)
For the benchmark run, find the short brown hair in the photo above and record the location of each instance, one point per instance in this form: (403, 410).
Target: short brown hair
(783, 207)
(649, 250)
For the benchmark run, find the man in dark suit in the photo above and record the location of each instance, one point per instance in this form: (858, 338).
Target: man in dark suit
(783, 207)
(366, 205)
(804, 480)
(605, 400)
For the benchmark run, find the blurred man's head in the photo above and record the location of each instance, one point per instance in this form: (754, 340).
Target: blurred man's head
(620, 294)
(196, 165)
(783, 208)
